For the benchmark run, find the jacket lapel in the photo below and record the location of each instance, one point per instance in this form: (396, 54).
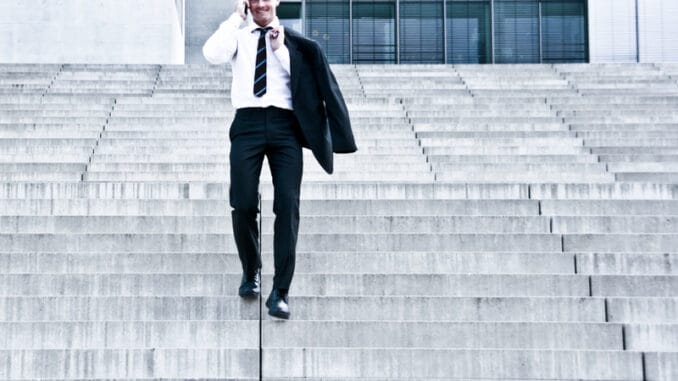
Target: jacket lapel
(295, 62)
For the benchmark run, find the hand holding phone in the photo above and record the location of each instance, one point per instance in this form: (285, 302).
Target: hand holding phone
(242, 8)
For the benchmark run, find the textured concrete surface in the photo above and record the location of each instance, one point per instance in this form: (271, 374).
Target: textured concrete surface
(508, 222)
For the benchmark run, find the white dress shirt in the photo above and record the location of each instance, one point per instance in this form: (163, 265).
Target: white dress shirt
(239, 47)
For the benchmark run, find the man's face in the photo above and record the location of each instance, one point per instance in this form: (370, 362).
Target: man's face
(263, 11)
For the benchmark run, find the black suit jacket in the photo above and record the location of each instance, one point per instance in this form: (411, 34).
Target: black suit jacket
(317, 101)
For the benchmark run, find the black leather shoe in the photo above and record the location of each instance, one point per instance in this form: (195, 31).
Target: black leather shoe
(277, 304)
(249, 287)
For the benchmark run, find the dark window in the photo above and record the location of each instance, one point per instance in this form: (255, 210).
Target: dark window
(327, 22)
(374, 32)
(517, 31)
(563, 31)
(469, 34)
(290, 15)
(421, 32)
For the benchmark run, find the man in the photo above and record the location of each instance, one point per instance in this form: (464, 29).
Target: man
(285, 97)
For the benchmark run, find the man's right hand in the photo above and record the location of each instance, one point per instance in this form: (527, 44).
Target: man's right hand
(240, 8)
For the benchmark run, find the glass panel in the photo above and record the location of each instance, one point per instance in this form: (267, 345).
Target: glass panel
(374, 32)
(563, 31)
(421, 32)
(290, 15)
(517, 31)
(469, 36)
(327, 23)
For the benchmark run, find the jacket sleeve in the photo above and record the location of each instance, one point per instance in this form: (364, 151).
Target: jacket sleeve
(337, 112)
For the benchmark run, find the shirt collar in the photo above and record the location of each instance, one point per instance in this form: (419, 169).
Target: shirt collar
(274, 23)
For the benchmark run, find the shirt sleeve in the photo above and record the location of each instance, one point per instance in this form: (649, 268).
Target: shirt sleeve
(223, 44)
(283, 56)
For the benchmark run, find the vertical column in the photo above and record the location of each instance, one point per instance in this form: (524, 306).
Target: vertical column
(350, 30)
(541, 40)
(397, 31)
(492, 29)
(637, 34)
(444, 31)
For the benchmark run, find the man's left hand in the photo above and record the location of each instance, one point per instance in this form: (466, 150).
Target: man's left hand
(277, 37)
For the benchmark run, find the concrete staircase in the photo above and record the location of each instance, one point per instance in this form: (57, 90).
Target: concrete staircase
(513, 222)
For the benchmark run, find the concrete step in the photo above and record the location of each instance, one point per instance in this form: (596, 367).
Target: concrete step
(340, 285)
(327, 207)
(623, 127)
(645, 263)
(524, 148)
(393, 176)
(657, 242)
(407, 147)
(197, 158)
(443, 335)
(416, 113)
(651, 337)
(311, 168)
(235, 334)
(648, 166)
(661, 365)
(332, 308)
(481, 141)
(642, 309)
(42, 176)
(407, 363)
(516, 168)
(484, 119)
(617, 224)
(634, 285)
(626, 111)
(55, 113)
(8, 168)
(516, 159)
(167, 242)
(336, 224)
(647, 158)
(630, 149)
(36, 158)
(656, 177)
(310, 191)
(197, 143)
(632, 135)
(616, 191)
(651, 208)
(530, 177)
(240, 363)
(353, 190)
(364, 262)
(482, 127)
(496, 134)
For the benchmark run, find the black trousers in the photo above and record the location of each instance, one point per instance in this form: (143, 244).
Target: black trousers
(275, 133)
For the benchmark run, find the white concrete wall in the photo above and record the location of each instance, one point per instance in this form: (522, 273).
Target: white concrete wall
(658, 30)
(90, 31)
(612, 30)
(615, 25)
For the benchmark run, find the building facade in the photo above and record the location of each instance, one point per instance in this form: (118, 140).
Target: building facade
(350, 31)
(488, 31)
(444, 31)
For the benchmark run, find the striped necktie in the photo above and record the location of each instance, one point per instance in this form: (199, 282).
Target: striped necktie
(260, 68)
